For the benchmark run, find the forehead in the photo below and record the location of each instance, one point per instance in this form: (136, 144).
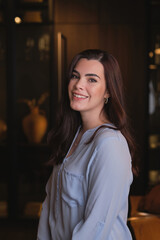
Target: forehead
(89, 66)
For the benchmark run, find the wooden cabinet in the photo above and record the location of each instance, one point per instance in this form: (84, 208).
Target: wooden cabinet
(26, 62)
(154, 94)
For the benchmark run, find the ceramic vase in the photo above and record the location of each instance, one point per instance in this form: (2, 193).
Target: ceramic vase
(35, 126)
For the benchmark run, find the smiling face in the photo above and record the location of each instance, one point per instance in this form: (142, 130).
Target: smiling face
(87, 87)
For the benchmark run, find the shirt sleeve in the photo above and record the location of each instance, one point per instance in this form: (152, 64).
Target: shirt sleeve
(43, 226)
(109, 182)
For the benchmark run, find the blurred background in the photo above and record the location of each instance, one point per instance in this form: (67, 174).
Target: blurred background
(38, 39)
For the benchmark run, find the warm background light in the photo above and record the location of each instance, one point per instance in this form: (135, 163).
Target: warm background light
(17, 20)
(151, 54)
(157, 51)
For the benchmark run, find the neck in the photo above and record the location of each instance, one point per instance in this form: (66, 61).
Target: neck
(89, 122)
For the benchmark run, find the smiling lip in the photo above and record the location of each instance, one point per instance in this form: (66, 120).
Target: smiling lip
(79, 96)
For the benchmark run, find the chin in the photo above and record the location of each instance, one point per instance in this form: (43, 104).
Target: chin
(76, 108)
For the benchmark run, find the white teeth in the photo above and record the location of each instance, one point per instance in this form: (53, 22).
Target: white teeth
(79, 96)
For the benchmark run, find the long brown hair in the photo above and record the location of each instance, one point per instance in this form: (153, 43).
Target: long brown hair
(61, 137)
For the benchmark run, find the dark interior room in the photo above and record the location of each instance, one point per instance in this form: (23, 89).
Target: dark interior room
(38, 39)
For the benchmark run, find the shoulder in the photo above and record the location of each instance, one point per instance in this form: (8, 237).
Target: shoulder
(110, 142)
(112, 151)
(106, 135)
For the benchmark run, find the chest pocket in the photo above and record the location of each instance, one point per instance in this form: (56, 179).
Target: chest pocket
(72, 189)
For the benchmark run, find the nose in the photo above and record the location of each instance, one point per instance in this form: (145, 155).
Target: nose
(80, 84)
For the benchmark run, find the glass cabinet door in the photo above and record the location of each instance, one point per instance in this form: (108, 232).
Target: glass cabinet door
(154, 125)
(154, 93)
(26, 108)
(33, 77)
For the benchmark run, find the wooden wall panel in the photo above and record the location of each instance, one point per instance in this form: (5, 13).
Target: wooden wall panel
(119, 27)
(76, 11)
(79, 37)
(128, 43)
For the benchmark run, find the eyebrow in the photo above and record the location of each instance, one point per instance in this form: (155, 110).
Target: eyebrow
(88, 74)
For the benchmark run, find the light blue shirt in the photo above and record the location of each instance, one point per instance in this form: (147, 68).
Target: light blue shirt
(87, 195)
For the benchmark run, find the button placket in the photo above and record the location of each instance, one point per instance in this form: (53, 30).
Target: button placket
(58, 188)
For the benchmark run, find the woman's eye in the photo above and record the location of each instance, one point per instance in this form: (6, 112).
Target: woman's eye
(74, 76)
(92, 80)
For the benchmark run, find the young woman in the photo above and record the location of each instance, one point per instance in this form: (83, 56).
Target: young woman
(87, 193)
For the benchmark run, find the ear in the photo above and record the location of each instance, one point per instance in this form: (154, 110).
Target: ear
(106, 94)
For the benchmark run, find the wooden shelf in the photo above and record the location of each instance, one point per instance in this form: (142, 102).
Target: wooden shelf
(155, 3)
(33, 6)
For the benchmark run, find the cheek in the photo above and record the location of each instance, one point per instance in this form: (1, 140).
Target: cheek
(70, 88)
(100, 92)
